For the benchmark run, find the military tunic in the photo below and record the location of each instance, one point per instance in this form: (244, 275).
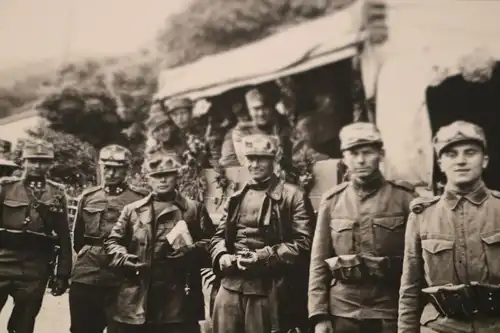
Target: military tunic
(33, 220)
(368, 221)
(93, 288)
(452, 239)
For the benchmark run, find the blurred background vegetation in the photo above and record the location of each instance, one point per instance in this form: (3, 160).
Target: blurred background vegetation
(90, 103)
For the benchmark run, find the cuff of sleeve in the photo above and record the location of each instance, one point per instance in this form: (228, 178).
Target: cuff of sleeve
(319, 317)
(265, 256)
(216, 264)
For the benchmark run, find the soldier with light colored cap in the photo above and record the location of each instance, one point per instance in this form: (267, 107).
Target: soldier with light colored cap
(451, 264)
(7, 166)
(160, 243)
(33, 225)
(357, 251)
(261, 250)
(92, 294)
(181, 112)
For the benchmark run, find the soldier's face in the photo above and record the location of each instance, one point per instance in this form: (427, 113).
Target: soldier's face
(163, 133)
(113, 175)
(163, 182)
(259, 112)
(260, 167)
(463, 163)
(182, 117)
(37, 166)
(363, 161)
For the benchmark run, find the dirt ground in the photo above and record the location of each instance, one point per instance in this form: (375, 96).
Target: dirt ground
(53, 317)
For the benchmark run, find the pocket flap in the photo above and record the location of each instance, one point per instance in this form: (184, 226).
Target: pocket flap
(15, 204)
(389, 222)
(341, 224)
(436, 245)
(93, 210)
(491, 239)
(345, 261)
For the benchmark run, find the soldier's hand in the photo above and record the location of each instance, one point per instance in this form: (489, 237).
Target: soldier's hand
(132, 261)
(246, 260)
(226, 261)
(59, 286)
(324, 326)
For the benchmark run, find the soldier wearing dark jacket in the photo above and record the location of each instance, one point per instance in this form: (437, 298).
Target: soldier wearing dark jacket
(159, 245)
(357, 252)
(451, 271)
(261, 250)
(33, 223)
(92, 294)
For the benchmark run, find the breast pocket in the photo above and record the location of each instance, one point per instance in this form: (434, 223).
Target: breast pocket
(491, 243)
(342, 232)
(438, 260)
(389, 235)
(14, 213)
(92, 218)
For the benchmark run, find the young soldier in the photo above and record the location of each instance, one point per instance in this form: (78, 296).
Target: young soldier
(159, 243)
(452, 257)
(357, 252)
(92, 294)
(261, 250)
(33, 223)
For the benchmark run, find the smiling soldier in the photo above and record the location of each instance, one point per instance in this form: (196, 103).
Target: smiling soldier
(451, 264)
(261, 250)
(358, 245)
(93, 285)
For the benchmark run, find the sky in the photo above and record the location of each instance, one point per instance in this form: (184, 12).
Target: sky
(34, 30)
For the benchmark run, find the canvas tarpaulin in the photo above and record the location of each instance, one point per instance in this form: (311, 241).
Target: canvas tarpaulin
(427, 38)
(297, 49)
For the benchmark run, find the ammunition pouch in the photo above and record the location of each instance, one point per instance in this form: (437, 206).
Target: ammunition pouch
(356, 268)
(19, 240)
(465, 301)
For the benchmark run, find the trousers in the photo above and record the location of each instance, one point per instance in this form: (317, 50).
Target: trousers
(350, 325)
(237, 312)
(159, 328)
(91, 308)
(28, 297)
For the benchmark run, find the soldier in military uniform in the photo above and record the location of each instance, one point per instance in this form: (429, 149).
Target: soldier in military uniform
(34, 222)
(181, 112)
(159, 244)
(93, 288)
(7, 167)
(452, 257)
(261, 250)
(357, 251)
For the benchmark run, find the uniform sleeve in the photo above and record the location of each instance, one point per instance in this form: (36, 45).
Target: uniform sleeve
(412, 280)
(301, 237)
(78, 227)
(62, 229)
(115, 244)
(207, 230)
(217, 246)
(319, 274)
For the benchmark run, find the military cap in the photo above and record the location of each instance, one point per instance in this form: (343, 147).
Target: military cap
(38, 149)
(458, 131)
(255, 95)
(157, 119)
(178, 103)
(357, 134)
(259, 145)
(115, 155)
(5, 148)
(159, 162)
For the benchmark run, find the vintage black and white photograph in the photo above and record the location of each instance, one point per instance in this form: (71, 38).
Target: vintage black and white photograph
(250, 166)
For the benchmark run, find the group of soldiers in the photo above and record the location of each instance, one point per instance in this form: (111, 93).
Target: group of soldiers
(374, 259)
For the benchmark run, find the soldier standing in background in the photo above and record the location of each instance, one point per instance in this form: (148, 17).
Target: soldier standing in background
(33, 222)
(261, 250)
(452, 257)
(7, 167)
(357, 252)
(160, 243)
(92, 294)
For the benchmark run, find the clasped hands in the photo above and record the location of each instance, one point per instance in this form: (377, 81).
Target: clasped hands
(242, 259)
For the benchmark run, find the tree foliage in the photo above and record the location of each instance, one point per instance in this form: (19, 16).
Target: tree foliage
(211, 26)
(75, 160)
